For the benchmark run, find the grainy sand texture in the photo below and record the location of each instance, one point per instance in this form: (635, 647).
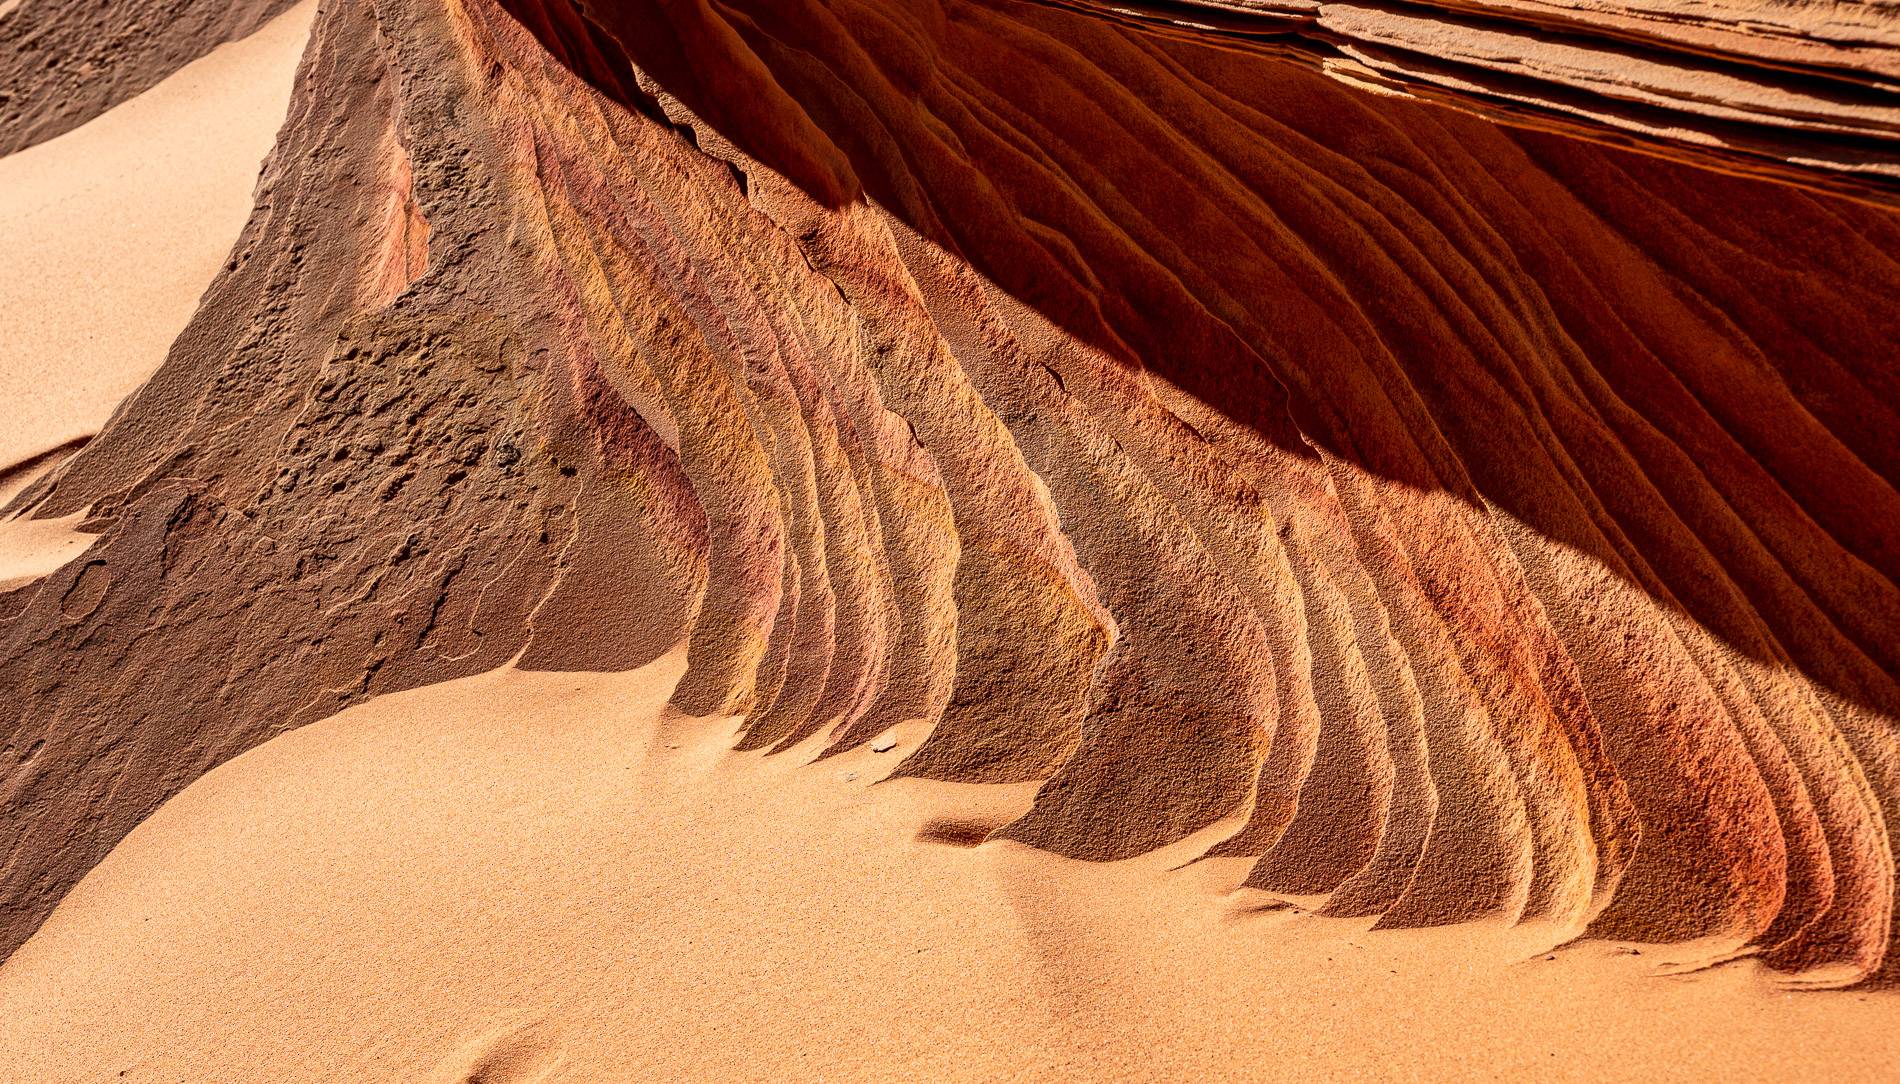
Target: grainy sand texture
(114, 229)
(948, 540)
(543, 876)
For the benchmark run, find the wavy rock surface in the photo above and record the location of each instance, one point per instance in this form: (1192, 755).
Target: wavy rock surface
(1474, 516)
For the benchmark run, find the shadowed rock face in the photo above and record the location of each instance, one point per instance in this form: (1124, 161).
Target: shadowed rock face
(1477, 518)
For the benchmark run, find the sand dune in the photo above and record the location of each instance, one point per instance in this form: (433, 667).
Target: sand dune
(978, 538)
(64, 62)
(114, 230)
(537, 877)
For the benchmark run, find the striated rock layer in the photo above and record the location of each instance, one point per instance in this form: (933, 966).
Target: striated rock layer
(1468, 515)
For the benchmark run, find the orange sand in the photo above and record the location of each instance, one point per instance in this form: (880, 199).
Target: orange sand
(543, 877)
(31, 548)
(112, 231)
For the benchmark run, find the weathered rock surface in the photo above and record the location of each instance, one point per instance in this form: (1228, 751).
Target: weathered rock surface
(1483, 518)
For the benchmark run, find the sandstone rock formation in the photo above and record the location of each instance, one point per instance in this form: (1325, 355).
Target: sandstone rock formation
(1451, 446)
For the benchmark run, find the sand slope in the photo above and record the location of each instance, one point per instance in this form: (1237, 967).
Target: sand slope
(113, 230)
(545, 877)
(64, 62)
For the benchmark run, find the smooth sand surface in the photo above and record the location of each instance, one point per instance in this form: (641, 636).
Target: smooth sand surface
(31, 548)
(546, 877)
(109, 233)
